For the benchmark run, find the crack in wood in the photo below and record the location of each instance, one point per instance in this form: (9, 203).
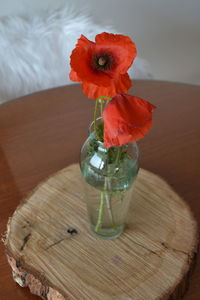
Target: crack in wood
(189, 255)
(173, 249)
(144, 247)
(72, 233)
(26, 238)
(56, 243)
(167, 247)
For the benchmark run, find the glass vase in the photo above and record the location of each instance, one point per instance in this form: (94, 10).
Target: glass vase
(109, 174)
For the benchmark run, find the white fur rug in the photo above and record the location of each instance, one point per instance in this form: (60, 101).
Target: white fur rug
(35, 50)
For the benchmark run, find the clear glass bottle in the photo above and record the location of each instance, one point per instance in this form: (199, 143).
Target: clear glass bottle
(109, 174)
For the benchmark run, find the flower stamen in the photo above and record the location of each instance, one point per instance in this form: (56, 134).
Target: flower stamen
(102, 61)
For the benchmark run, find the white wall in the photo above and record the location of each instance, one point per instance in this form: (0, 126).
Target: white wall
(167, 32)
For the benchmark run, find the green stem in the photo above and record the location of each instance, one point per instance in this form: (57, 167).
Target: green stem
(95, 115)
(109, 207)
(100, 216)
(119, 151)
(103, 97)
(101, 107)
(99, 99)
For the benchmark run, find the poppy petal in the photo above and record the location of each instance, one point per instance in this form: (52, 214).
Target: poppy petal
(117, 86)
(122, 47)
(94, 91)
(126, 119)
(122, 83)
(81, 63)
(84, 42)
(73, 76)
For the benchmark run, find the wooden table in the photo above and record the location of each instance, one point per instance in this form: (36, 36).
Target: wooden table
(43, 132)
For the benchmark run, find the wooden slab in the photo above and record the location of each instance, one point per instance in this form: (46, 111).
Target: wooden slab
(151, 260)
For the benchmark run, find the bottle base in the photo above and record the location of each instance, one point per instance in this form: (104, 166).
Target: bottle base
(108, 233)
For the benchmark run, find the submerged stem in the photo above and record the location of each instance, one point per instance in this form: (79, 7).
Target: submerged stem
(108, 202)
(100, 216)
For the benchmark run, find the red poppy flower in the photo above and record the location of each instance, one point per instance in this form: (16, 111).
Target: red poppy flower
(126, 119)
(102, 65)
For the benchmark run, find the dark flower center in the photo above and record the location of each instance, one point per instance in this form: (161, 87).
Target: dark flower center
(102, 61)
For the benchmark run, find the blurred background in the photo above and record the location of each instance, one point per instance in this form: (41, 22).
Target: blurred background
(167, 33)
